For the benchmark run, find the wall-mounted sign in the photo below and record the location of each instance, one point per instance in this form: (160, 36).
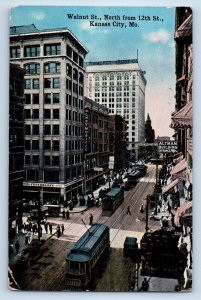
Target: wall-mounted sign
(167, 146)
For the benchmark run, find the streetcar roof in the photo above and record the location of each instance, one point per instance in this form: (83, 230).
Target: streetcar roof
(113, 192)
(84, 248)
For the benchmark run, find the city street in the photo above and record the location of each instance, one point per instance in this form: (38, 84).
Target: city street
(47, 273)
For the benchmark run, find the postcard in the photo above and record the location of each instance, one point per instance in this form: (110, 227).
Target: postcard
(100, 149)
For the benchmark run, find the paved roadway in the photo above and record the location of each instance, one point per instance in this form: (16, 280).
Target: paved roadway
(121, 224)
(47, 272)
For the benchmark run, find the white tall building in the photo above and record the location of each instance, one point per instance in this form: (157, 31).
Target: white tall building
(120, 86)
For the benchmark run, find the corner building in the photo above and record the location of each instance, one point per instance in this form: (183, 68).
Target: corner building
(16, 148)
(120, 86)
(54, 111)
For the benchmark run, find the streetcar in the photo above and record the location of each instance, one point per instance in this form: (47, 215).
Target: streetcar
(133, 178)
(112, 201)
(85, 255)
(141, 168)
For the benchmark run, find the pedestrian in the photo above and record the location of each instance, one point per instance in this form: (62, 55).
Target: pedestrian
(63, 213)
(145, 285)
(17, 247)
(67, 214)
(91, 219)
(128, 211)
(58, 231)
(26, 239)
(142, 208)
(169, 207)
(50, 228)
(62, 229)
(34, 228)
(46, 228)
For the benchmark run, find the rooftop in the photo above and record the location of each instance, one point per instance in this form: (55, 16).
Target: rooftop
(32, 30)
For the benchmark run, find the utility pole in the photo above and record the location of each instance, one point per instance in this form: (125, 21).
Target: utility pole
(147, 212)
(39, 216)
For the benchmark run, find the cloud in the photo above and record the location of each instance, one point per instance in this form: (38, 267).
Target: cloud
(86, 26)
(38, 15)
(160, 36)
(92, 29)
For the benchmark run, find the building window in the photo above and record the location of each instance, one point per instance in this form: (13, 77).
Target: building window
(47, 113)
(55, 130)
(75, 57)
(47, 83)
(47, 144)
(35, 129)
(52, 68)
(35, 145)
(56, 83)
(47, 98)
(27, 98)
(69, 70)
(47, 160)
(81, 77)
(55, 113)
(55, 145)
(35, 159)
(35, 99)
(15, 52)
(47, 130)
(55, 160)
(81, 62)
(56, 97)
(52, 176)
(27, 84)
(27, 129)
(32, 69)
(35, 114)
(53, 49)
(27, 145)
(69, 51)
(35, 83)
(31, 51)
(75, 74)
(27, 159)
(27, 113)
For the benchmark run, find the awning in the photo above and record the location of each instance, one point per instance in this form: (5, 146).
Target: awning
(177, 154)
(184, 211)
(178, 159)
(179, 169)
(181, 78)
(171, 188)
(185, 29)
(183, 117)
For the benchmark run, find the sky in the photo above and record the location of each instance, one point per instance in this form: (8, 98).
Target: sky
(153, 37)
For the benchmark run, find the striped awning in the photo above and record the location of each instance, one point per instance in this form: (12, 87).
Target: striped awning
(178, 159)
(183, 117)
(171, 188)
(179, 169)
(182, 212)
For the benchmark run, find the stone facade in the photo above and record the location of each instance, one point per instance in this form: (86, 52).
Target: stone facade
(54, 111)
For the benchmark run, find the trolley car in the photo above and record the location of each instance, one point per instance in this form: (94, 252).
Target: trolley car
(112, 201)
(84, 257)
(133, 178)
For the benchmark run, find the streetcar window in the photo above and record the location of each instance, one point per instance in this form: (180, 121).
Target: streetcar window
(82, 268)
(74, 267)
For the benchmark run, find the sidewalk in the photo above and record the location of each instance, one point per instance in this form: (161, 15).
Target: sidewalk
(21, 237)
